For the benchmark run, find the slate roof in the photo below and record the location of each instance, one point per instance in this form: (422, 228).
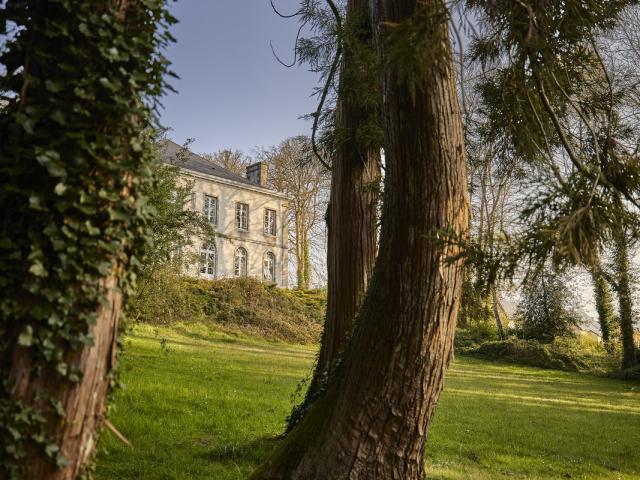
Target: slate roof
(177, 155)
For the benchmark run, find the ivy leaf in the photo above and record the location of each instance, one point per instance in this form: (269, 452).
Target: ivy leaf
(57, 404)
(84, 29)
(58, 117)
(51, 160)
(51, 449)
(108, 84)
(52, 86)
(91, 229)
(38, 269)
(26, 122)
(35, 202)
(136, 145)
(61, 461)
(26, 338)
(60, 188)
(14, 433)
(62, 369)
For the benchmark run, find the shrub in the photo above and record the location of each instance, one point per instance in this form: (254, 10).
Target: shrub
(475, 305)
(166, 298)
(475, 333)
(543, 314)
(562, 354)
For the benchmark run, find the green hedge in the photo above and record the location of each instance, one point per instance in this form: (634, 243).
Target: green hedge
(241, 304)
(563, 354)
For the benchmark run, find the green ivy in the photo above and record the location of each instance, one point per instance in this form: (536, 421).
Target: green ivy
(80, 90)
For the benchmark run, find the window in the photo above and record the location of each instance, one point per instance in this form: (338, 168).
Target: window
(240, 263)
(210, 209)
(208, 260)
(269, 267)
(269, 222)
(242, 216)
(193, 201)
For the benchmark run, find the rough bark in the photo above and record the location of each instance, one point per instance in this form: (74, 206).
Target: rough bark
(372, 420)
(625, 302)
(84, 403)
(352, 213)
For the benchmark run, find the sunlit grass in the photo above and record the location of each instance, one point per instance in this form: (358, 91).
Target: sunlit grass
(210, 406)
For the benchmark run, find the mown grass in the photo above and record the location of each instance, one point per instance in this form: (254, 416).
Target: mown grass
(210, 407)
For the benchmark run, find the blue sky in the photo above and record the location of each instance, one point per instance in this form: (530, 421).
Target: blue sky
(232, 93)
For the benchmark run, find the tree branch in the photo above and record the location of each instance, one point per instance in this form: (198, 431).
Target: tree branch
(327, 84)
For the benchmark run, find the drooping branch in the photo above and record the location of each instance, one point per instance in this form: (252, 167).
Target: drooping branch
(327, 84)
(295, 49)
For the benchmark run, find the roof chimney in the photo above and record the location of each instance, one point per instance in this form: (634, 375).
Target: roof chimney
(258, 173)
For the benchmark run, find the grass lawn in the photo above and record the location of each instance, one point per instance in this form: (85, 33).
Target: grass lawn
(209, 407)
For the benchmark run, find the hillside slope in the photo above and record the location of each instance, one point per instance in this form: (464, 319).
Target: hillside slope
(241, 305)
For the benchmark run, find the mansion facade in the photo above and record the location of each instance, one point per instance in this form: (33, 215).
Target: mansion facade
(250, 219)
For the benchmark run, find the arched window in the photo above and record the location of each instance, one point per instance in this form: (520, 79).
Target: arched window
(269, 267)
(208, 260)
(240, 261)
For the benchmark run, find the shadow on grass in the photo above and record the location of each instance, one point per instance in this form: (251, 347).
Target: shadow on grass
(253, 452)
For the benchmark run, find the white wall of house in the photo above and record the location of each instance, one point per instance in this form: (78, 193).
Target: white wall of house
(254, 240)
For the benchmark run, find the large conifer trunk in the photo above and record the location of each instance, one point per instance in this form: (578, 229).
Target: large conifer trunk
(372, 421)
(83, 402)
(352, 212)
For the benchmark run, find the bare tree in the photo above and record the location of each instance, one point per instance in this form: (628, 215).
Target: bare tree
(233, 160)
(293, 171)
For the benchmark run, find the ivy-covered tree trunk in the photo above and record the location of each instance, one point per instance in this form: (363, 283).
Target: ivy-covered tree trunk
(303, 260)
(604, 302)
(352, 214)
(306, 262)
(621, 260)
(73, 162)
(79, 408)
(372, 420)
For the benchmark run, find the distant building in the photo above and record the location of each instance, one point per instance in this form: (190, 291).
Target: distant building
(250, 219)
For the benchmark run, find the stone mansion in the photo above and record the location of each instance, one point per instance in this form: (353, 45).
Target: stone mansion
(250, 219)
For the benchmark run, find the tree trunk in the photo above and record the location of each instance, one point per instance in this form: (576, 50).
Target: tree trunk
(604, 303)
(306, 261)
(84, 403)
(496, 312)
(299, 253)
(70, 411)
(352, 213)
(372, 420)
(625, 303)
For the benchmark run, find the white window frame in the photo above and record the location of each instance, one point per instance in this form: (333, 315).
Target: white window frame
(270, 222)
(242, 216)
(208, 260)
(240, 262)
(211, 214)
(269, 267)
